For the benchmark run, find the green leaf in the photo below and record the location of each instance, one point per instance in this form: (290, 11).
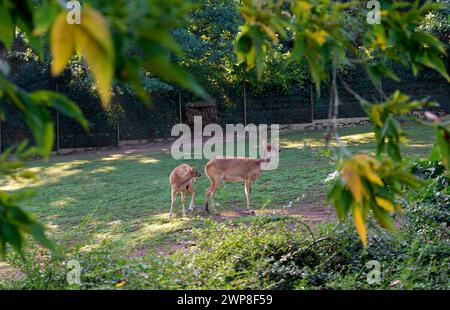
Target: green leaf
(435, 153)
(44, 16)
(11, 235)
(161, 65)
(18, 217)
(374, 73)
(345, 201)
(443, 140)
(61, 103)
(38, 232)
(427, 38)
(393, 151)
(383, 218)
(438, 65)
(244, 44)
(7, 27)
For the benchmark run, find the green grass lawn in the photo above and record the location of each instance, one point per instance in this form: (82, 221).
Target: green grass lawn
(125, 198)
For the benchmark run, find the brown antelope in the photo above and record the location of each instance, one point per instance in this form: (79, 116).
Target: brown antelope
(235, 169)
(182, 179)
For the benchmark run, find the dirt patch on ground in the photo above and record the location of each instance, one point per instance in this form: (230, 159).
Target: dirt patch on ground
(313, 208)
(313, 213)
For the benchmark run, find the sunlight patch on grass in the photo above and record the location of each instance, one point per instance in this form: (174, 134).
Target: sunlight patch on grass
(164, 225)
(62, 202)
(367, 137)
(72, 163)
(52, 227)
(298, 144)
(420, 145)
(115, 223)
(104, 236)
(105, 169)
(129, 157)
(10, 184)
(359, 138)
(113, 157)
(89, 247)
(54, 174)
(100, 239)
(46, 175)
(148, 160)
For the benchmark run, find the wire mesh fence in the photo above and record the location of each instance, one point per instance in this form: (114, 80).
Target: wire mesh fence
(239, 104)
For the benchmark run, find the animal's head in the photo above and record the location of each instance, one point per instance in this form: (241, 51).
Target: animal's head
(270, 156)
(270, 150)
(195, 173)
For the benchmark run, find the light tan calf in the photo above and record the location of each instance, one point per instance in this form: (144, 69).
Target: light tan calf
(182, 179)
(235, 169)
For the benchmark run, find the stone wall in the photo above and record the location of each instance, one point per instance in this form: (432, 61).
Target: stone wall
(324, 123)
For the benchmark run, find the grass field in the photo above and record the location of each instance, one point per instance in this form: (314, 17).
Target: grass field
(124, 198)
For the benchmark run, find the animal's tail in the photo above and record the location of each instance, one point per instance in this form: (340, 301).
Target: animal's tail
(206, 172)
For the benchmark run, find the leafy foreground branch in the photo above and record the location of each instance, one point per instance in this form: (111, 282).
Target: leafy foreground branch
(14, 222)
(364, 183)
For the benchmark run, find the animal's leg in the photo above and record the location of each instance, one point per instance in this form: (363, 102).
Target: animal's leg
(209, 192)
(192, 204)
(174, 198)
(183, 202)
(248, 185)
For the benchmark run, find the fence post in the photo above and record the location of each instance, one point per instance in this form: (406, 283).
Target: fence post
(312, 103)
(245, 106)
(57, 123)
(118, 131)
(179, 106)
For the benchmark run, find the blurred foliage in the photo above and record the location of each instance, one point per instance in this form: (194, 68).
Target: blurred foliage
(320, 37)
(388, 131)
(367, 184)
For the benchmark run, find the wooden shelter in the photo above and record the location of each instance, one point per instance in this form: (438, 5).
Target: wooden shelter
(206, 109)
